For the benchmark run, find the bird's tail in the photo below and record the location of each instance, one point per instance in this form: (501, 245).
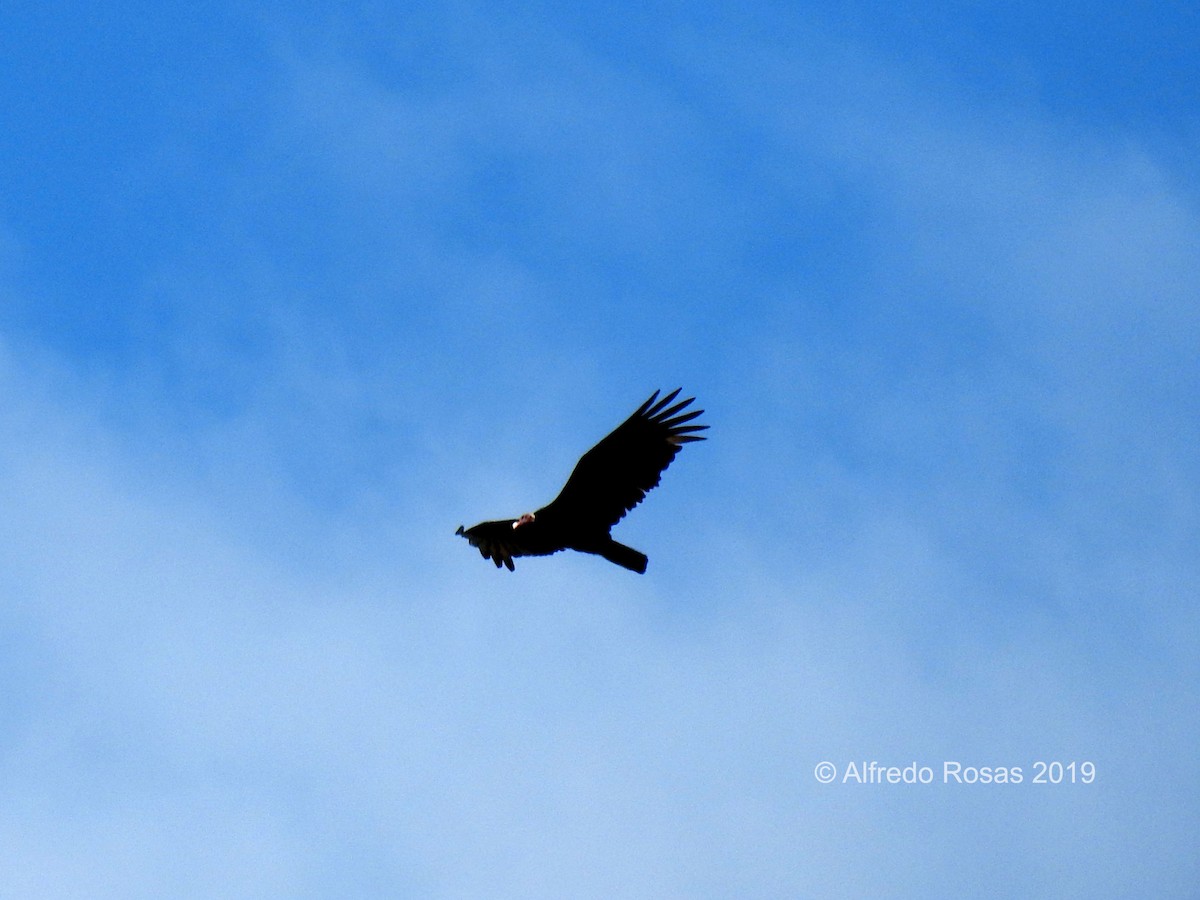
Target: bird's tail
(624, 556)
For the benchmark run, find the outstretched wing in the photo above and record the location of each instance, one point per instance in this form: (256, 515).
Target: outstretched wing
(614, 476)
(501, 541)
(494, 540)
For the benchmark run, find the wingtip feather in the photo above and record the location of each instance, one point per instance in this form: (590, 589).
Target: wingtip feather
(656, 410)
(641, 410)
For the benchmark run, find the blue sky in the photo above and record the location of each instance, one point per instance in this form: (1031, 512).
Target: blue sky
(289, 291)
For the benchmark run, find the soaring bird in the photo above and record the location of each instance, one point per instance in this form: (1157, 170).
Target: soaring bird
(608, 481)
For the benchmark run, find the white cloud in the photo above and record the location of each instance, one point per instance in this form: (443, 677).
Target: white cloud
(226, 720)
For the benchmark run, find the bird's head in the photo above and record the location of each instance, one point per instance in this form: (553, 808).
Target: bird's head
(524, 520)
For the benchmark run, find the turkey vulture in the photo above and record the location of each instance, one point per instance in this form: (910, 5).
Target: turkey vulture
(608, 481)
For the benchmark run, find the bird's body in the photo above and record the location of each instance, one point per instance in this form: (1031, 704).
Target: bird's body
(608, 481)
